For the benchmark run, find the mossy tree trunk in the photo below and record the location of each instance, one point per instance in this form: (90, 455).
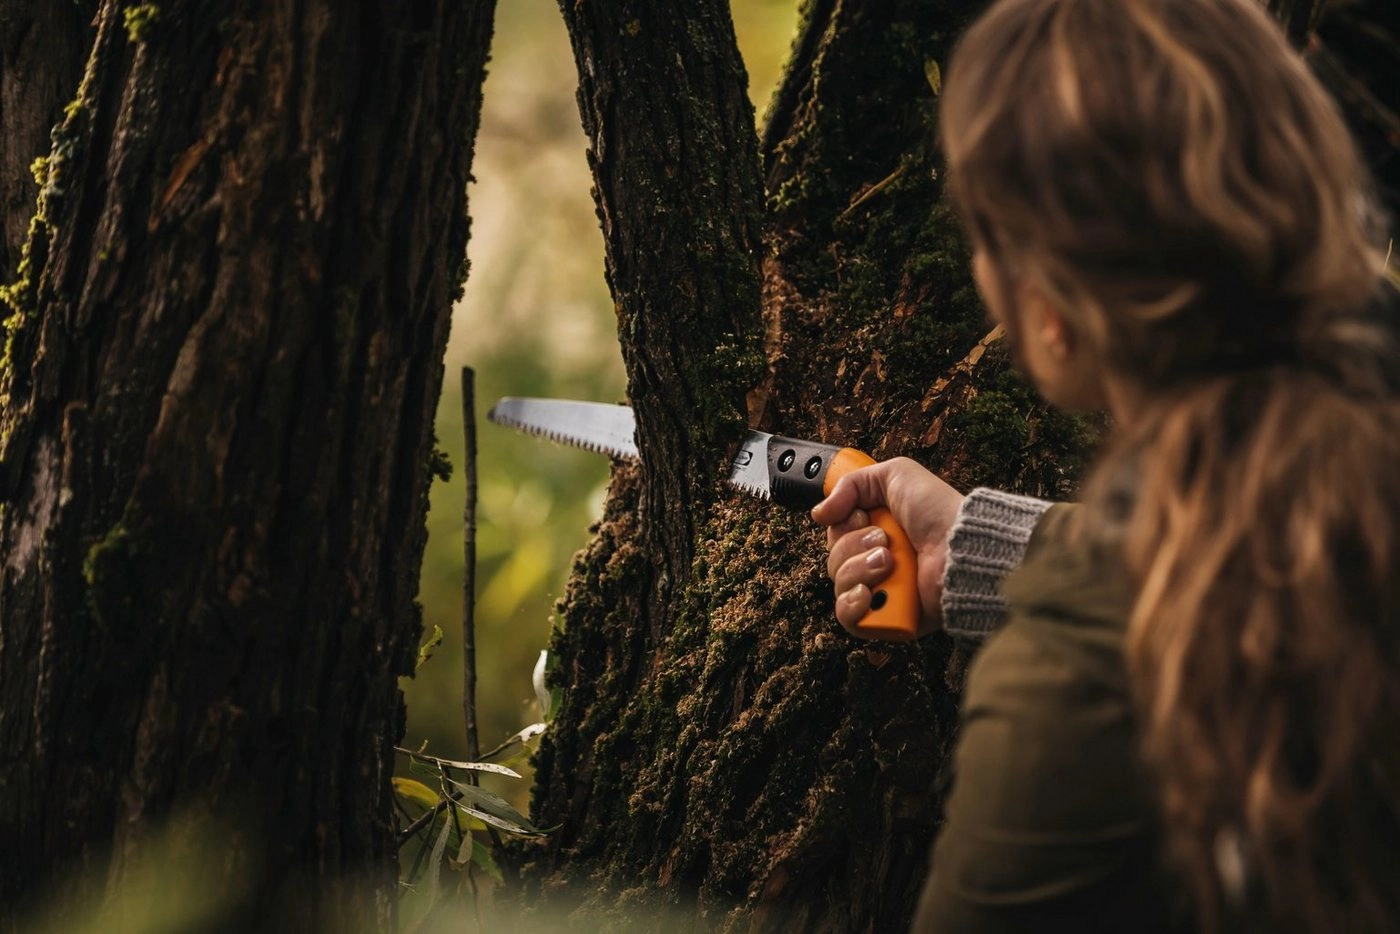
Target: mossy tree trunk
(215, 446)
(723, 750)
(722, 747)
(43, 45)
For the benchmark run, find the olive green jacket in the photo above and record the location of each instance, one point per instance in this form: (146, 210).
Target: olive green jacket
(1050, 824)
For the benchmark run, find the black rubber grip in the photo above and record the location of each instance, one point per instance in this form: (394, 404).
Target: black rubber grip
(797, 471)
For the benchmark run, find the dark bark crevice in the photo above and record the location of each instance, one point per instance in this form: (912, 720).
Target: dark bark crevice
(43, 45)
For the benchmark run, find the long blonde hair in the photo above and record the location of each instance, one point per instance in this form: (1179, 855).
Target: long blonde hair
(1170, 174)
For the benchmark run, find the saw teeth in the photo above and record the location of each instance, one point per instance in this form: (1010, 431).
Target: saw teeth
(557, 438)
(752, 490)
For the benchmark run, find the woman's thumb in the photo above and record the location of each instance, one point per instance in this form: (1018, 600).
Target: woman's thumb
(863, 488)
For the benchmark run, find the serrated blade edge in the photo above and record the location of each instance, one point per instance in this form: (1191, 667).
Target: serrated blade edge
(611, 430)
(749, 471)
(593, 426)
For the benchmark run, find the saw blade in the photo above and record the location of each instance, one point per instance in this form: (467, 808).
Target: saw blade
(606, 429)
(611, 430)
(749, 472)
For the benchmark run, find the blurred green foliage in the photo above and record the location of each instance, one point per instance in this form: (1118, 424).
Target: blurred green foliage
(535, 319)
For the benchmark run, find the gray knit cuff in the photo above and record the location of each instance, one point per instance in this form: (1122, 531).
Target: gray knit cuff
(988, 539)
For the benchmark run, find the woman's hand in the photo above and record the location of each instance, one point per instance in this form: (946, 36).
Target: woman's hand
(923, 505)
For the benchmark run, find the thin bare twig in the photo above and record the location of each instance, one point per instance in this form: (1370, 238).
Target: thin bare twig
(517, 740)
(875, 189)
(469, 581)
(469, 567)
(426, 817)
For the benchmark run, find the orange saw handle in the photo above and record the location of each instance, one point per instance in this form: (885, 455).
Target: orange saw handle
(894, 602)
(800, 474)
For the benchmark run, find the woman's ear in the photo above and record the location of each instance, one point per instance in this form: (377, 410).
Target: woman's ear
(1048, 324)
(1054, 356)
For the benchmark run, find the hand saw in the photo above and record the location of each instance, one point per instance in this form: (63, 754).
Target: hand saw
(791, 471)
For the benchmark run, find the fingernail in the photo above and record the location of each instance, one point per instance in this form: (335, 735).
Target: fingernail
(874, 538)
(876, 559)
(855, 594)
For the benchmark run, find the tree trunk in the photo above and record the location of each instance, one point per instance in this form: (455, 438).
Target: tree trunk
(722, 746)
(223, 363)
(43, 45)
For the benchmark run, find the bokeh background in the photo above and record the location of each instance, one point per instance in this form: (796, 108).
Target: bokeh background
(535, 319)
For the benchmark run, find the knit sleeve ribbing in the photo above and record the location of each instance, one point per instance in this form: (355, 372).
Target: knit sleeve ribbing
(986, 542)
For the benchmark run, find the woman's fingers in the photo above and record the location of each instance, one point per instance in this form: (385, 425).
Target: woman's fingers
(868, 568)
(857, 520)
(847, 546)
(858, 564)
(922, 504)
(851, 607)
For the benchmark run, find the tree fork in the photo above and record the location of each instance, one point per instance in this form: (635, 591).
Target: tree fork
(749, 765)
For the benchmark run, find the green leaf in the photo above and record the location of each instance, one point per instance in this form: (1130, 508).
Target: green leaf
(421, 767)
(507, 826)
(464, 851)
(934, 74)
(491, 767)
(426, 650)
(415, 791)
(435, 863)
(494, 810)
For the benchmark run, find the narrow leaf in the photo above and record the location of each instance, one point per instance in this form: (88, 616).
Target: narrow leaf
(934, 74)
(495, 805)
(491, 767)
(494, 810)
(464, 852)
(507, 826)
(415, 791)
(426, 650)
(435, 863)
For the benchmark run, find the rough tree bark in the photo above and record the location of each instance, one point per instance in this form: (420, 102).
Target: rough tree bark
(43, 45)
(216, 441)
(722, 748)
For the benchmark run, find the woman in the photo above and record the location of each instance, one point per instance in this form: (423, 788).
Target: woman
(1190, 718)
